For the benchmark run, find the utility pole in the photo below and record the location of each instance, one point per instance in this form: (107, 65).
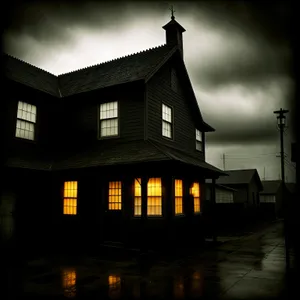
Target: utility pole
(224, 161)
(264, 173)
(281, 125)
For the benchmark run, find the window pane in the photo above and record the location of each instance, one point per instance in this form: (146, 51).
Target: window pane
(195, 189)
(166, 129)
(154, 187)
(114, 195)
(199, 145)
(109, 127)
(24, 130)
(109, 110)
(178, 206)
(167, 113)
(196, 204)
(178, 187)
(198, 135)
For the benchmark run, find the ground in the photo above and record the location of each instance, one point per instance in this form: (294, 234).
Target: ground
(244, 267)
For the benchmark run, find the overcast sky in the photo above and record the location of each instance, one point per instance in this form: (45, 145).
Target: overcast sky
(238, 55)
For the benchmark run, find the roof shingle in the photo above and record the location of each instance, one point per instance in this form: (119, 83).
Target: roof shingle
(125, 69)
(117, 71)
(237, 177)
(27, 74)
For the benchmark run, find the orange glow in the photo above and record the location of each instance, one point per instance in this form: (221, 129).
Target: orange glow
(154, 199)
(154, 187)
(195, 192)
(197, 284)
(154, 207)
(69, 282)
(114, 283)
(115, 195)
(178, 197)
(137, 197)
(70, 198)
(179, 288)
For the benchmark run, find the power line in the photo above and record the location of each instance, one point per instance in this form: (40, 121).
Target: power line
(236, 155)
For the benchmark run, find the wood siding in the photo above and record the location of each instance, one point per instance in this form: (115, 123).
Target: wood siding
(159, 90)
(47, 106)
(80, 115)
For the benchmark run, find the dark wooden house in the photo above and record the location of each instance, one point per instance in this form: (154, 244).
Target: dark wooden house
(112, 152)
(247, 184)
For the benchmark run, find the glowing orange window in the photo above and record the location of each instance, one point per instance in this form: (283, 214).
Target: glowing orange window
(70, 197)
(195, 192)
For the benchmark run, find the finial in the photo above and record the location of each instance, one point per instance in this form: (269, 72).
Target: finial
(172, 12)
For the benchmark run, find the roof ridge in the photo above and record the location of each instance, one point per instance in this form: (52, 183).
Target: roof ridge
(114, 59)
(27, 63)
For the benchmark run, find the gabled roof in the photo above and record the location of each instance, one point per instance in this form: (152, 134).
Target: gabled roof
(125, 69)
(270, 186)
(117, 71)
(27, 74)
(208, 183)
(243, 176)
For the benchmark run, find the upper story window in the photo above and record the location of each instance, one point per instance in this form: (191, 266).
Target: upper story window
(109, 119)
(199, 143)
(26, 119)
(167, 118)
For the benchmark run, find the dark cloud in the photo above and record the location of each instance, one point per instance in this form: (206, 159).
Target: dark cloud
(243, 131)
(239, 67)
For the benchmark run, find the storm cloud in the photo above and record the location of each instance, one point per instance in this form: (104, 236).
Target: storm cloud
(239, 56)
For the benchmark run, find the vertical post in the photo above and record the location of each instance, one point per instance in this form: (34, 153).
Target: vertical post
(281, 124)
(214, 207)
(224, 161)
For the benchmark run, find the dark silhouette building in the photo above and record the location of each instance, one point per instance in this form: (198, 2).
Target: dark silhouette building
(111, 152)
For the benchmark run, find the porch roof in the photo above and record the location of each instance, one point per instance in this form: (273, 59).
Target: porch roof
(131, 153)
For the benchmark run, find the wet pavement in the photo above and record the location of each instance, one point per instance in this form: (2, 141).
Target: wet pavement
(251, 266)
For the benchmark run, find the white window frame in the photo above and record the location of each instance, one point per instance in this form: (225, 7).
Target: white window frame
(26, 120)
(109, 115)
(199, 141)
(167, 121)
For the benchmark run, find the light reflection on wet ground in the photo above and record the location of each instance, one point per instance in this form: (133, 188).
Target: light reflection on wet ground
(252, 267)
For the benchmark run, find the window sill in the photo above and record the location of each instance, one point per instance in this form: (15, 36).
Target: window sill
(167, 138)
(108, 137)
(25, 140)
(148, 217)
(179, 215)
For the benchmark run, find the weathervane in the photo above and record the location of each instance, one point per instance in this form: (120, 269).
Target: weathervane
(172, 12)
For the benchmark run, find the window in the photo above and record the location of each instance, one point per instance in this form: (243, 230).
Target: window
(154, 199)
(178, 197)
(114, 285)
(26, 119)
(137, 197)
(195, 192)
(109, 119)
(70, 197)
(115, 195)
(167, 121)
(199, 144)
(154, 207)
